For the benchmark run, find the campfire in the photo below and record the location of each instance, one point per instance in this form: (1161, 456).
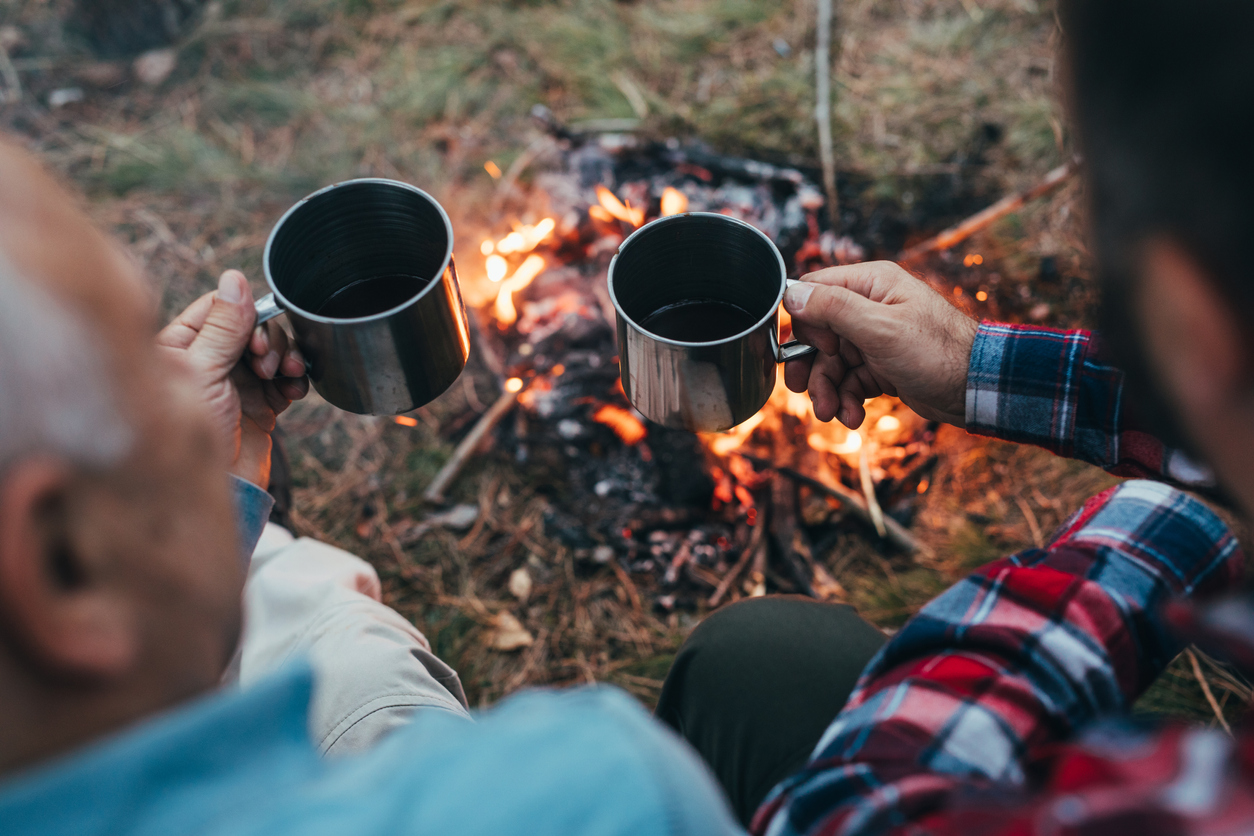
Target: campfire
(696, 520)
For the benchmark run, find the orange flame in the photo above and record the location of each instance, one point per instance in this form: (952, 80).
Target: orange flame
(851, 444)
(406, 420)
(526, 237)
(497, 267)
(627, 426)
(506, 313)
(723, 443)
(615, 207)
(673, 202)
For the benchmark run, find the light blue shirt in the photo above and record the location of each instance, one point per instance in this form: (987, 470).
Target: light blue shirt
(584, 761)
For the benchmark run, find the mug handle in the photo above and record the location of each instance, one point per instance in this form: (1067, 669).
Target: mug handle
(267, 309)
(792, 349)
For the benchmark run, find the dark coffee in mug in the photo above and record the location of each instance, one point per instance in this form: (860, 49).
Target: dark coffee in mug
(698, 321)
(370, 296)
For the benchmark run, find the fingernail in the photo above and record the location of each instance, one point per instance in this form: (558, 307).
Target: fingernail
(270, 364)
(231, 287)
(264, 336)
(795, 297)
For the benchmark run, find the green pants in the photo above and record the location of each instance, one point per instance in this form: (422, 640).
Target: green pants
(757, 683)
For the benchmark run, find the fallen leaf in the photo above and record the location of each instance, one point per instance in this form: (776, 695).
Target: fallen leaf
(520, 584)
(508, 633)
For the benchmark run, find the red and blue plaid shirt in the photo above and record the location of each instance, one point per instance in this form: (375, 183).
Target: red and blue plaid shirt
(982, 714)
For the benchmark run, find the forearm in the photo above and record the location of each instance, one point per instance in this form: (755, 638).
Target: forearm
(1051, 388)
(1019, 655)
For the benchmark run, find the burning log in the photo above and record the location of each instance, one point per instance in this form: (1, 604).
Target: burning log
(894, 531)
(1011, 203)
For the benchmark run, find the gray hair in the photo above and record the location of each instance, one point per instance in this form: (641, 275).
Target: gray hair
(56, 388)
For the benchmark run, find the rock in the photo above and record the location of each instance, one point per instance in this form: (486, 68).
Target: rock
(508, 633)
(154, 67)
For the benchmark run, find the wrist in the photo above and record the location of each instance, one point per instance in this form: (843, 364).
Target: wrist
(252, 464)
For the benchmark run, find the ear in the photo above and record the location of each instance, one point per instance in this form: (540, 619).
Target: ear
(60, 614)
(1191, 333)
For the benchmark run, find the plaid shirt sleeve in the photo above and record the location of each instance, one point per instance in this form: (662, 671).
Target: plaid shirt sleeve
(1051, 388)
(991, 676)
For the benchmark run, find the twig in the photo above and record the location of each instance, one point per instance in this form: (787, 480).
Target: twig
(896, 532)
(756, 541)
(868, 491)
(823, 108)
(1210, 697)
(435, 491)
(11, 79)
(1033, 525)
(629, 586)
(957, 234)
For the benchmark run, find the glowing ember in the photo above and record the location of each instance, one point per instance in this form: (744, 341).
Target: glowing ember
(506, 313)
(558, 370)
(982, 296)
(723, 443)
(673, 202)
(487, 246)
(406, 421)
(492, 169)
(957, 291)
(514, 384)
(625, 425)
(923, 485)
(973, 260)
(615, 207)
(888, 424)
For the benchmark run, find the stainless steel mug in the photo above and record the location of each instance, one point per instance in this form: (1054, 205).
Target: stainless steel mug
(364, 271)
(699, 386)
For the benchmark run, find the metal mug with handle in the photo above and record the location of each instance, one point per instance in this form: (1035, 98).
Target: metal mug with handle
(364, 271)
(699, 386)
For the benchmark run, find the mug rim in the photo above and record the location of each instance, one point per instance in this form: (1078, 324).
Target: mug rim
(773, 312)
(287, 305)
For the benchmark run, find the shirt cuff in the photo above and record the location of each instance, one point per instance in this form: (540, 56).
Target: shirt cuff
(1022, 384)
(252, 510)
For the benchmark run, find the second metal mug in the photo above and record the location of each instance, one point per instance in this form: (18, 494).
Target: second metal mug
(699, 386)
(383, 352)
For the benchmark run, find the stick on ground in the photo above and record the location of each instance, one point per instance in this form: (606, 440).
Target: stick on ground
(1011, 203)
(435, 491)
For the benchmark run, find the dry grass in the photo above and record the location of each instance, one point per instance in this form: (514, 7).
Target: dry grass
(271, 99)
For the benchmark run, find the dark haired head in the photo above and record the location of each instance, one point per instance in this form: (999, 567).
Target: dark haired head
(1163, 97)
